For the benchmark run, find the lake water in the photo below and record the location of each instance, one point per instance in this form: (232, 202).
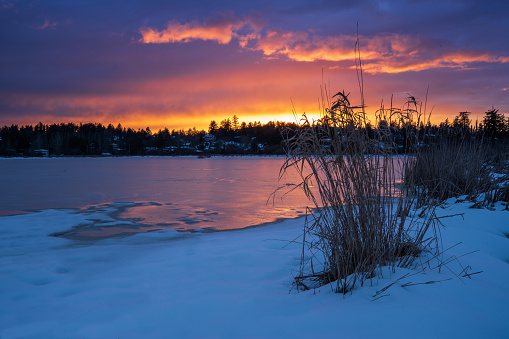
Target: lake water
(185, 194)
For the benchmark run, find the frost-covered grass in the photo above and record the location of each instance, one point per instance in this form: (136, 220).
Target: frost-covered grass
(238, 284)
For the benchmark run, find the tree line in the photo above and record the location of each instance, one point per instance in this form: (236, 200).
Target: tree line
(224, 138)
(95, 139)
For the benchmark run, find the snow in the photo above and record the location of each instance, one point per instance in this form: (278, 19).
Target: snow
(238, 284)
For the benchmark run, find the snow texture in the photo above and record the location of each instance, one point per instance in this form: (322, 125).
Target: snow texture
(238, 284)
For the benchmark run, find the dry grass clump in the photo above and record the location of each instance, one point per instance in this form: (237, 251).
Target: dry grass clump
(498, 167)
(449, 167)
(363, 220)
(459, 164)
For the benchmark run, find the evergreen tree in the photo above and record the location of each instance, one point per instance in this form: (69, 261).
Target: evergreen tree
(213, 127)
(494, 123)
(462, 120)
(226, 125)
(235, 123)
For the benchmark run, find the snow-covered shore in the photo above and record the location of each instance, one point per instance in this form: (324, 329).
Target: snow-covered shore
(238, 284)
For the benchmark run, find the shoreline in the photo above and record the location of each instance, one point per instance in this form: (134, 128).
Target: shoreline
(105, 223)
(150, 156)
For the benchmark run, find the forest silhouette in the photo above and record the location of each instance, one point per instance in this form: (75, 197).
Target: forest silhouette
(229, 137)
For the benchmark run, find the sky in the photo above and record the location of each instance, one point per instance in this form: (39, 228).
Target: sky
(181, 64)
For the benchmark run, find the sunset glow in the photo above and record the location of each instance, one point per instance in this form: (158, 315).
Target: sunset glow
(148, 64)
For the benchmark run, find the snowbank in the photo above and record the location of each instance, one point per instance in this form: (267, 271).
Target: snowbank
(238, 284)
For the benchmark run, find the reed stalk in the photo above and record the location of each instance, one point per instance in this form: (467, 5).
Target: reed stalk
(354, 182)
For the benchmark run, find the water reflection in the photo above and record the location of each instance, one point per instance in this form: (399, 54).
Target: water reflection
(184, 194)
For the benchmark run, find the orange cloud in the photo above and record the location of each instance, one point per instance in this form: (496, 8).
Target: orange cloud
(221, 28)
(175, 32)
(304, 46)
(415, 63)
(184, 101)
(381, 53)
(468, 57)
(264, 92)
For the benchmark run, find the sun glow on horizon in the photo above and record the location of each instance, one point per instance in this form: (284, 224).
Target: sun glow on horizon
(186, 122)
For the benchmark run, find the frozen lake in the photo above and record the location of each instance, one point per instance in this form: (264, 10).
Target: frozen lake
(149, 193)
(219, 284)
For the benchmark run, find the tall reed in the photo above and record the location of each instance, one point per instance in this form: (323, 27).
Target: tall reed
(353, 180)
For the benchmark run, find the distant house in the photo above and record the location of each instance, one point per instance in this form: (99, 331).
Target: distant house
(41, 152)
(209, 138)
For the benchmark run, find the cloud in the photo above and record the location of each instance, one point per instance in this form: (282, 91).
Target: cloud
(46, 24)
(180, 101)
(380, 53)
(6, 4)
(458, 59)
(221, 28)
